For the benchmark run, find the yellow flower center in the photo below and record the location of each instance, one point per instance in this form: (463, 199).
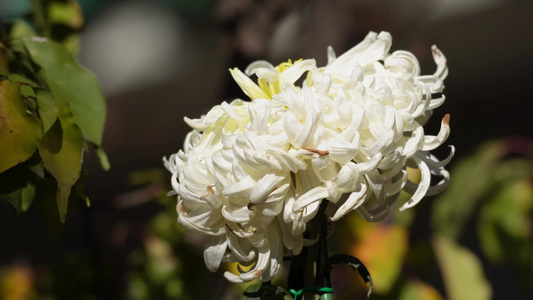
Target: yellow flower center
(273, 88)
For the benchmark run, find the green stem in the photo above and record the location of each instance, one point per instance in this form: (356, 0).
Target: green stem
(323, 268)
(316, 269)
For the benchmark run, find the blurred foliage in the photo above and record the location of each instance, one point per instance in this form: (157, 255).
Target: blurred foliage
(491, 190)
(472, 177)
(418, 290)
(168, 264)
(17, 282)
(461, 271)
(377, 242)
(52, 108)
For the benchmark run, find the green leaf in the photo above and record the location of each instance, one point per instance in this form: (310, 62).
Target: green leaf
(27, 196)
(14, 188)
(78, 190)
(48, 108)
(28, 95)
(265, 291)
(72, 43)
(61, 150)
(461, 271)
(21, 79)
(20, 199)
(102, 156)
(67, 13)
(470, 179)
(37, 168)
(22, 63)
(15, 199)
(504, 226)
(20, 131)
(71, 83)
(504, 221)
(20, 29)
(47, 105)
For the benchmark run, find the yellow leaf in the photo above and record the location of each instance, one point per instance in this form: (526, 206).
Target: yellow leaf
(461, 271)
(20, 131)
(382, 249)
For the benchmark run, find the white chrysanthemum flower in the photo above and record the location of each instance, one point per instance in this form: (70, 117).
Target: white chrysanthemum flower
(252, 174)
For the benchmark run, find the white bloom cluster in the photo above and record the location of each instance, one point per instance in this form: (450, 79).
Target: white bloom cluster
(253, 173)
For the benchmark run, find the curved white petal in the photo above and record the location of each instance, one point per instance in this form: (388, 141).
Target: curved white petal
(423, 185)
(432, 142)
(433, 162)
(331, 55)
(441, 185)
(440, 59)
(214, 252)
(342, 151)
(374, 47)
(353, 202)
(291, 74)
(394, 187)
(240, 247)
(263, 260)
(309, 197)
(263, 187)
(259, 64)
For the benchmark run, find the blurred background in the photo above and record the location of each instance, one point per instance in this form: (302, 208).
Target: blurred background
(158, 61)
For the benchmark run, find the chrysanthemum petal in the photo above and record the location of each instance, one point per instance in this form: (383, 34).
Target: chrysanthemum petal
(293, 73)
(247, 85)
(214, 251)
(432, 142)
(353, 202)
(423, 185)
(258, 64)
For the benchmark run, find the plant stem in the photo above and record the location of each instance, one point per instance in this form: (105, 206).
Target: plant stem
(323, 268)
(312, 262)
